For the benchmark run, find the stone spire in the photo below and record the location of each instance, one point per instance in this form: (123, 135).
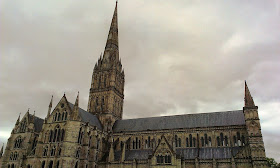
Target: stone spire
(113, 39)
(111, 52)
(50, 107)
(248, 99)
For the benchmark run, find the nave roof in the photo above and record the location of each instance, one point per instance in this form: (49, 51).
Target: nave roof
(199, 120)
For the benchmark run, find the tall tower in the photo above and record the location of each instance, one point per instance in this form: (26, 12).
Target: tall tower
(255, 140)
(107, 86)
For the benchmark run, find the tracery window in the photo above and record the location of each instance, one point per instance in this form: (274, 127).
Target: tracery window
(18, 142)
(238, 139)
(222, 140)
(177, 141)
(15, 156)
(23, 126)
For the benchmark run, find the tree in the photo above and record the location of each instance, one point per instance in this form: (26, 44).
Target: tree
(272, 163)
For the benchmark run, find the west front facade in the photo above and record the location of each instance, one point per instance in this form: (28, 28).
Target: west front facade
(72, 137)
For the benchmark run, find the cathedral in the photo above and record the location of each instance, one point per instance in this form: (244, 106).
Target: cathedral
(72, 137)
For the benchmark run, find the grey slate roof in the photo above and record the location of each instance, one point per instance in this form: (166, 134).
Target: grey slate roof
(88, 117)
(208, 153)
(181, 121)
(134, 154)
(38, 123)
(185, 153)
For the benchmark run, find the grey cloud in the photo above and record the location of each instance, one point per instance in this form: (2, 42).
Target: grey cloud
(179, 57)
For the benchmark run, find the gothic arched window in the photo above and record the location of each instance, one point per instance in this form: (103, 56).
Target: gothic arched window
(51, 164)
(43, 164)
(179, 142)
(243, 140)
(176, 140)
(206, 139)
(23, 126)
(65, 117)
(62, 117)
(191, 143)
(62, 135)
(58, 117)
(57, 164)
(78, 153)
(235, 140)
(202, 141)
(77, 164)
(209, 142)
(53, 151)
(55, 116)
(45, 152)
(11, 156)
(226, 141)
(80, 136)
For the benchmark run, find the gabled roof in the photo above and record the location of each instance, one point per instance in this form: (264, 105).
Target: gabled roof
(181, 121)
(87, 117)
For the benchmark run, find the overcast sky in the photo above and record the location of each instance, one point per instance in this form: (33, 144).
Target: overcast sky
(179, 57)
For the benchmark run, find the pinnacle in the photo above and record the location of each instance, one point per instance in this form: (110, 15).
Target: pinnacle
(248, 99)
(51, 102)
(77, 100)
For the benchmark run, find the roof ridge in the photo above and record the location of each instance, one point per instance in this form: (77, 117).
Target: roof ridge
(183, 114)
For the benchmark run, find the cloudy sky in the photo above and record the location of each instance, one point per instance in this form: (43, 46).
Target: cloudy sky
(180, 57)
